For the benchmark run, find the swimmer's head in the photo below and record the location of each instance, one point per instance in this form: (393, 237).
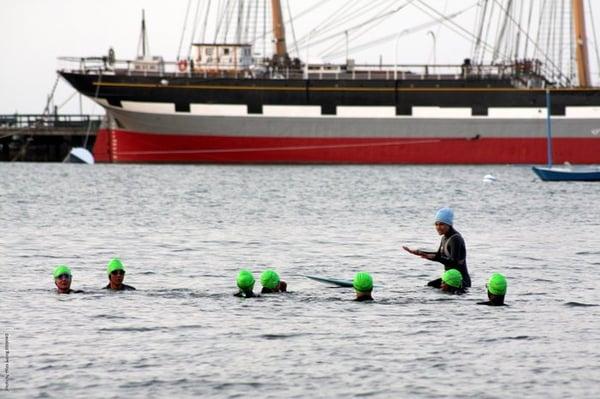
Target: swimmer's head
(114, 265)
(497, 284)
(445, 215)
(452, 278)
(61, 271)
(362, 282)
(245, 280)
(269, 279)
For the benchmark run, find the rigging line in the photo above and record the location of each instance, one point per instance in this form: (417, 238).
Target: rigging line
(364, 11)
(487, 33)
(206, 14)
(331, 23)
(328, 21)
(545, 56)
(67, 100)
(185, 21)
(219, 18)
(334, 17)
(335, 45)
(365, 23)
(562, 34)
(228, 16)
(479, 37)
(595, 37)
(292, 26)
(518, 34)
(413, 29)
(194, 29)
(451, 24)
(502, 22)
(297, 17)
(528, 28)
(51, 96)
(247, 22)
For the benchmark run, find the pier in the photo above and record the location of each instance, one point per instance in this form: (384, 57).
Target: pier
(45, 137)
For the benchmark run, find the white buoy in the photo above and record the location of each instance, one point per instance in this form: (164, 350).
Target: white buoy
(80, 155)
(489, 178)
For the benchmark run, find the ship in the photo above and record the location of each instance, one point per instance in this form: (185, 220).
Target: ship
(222, 104)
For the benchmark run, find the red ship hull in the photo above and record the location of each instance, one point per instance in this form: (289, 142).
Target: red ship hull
(136, 147)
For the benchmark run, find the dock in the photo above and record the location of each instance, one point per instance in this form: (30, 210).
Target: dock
(45, 137)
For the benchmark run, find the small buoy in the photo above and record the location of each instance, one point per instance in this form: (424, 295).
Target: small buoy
(80, 155)
(489, 178)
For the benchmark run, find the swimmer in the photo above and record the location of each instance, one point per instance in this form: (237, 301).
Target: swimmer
(496, 290)
(271, 282)
(245, 282)
(452, 282)
(363, 286)
(62, 279)
(452, 252)
(116, 275)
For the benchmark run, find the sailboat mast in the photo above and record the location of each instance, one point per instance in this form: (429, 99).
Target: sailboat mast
(278, 29)
(581, 51)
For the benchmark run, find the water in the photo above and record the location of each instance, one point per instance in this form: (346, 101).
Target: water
(183, 232)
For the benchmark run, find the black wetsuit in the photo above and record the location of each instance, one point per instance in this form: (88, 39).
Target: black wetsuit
(124, 287)
(245, 294)
(452, 253)
(490, 303)
(497, 300)
(71, 292)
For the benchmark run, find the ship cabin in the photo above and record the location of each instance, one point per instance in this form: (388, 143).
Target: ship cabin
(217, 58)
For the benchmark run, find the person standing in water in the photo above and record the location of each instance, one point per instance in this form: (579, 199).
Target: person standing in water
(363, 286)
(452, 252)
(116, 275)
(62, 279)
(496, 290)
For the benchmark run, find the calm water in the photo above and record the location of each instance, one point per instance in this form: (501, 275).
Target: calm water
(184, 231)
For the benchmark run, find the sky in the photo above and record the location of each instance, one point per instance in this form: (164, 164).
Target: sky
(36, 32)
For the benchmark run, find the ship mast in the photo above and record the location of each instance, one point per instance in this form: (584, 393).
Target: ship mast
(143, 48)
(581, 51)
(278, 31)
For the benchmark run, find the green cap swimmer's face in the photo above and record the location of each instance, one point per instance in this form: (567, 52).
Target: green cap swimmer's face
(62, 278)
(116, 271)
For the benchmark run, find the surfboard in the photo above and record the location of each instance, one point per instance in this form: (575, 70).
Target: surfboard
(334, 281)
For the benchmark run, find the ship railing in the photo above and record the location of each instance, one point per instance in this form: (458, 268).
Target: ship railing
(158, 67)
(41, 121)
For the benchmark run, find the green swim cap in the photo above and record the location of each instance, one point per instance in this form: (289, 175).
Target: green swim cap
(497, 284)
(61, 269)
(453, 278)
(363, 282)
(245, 280)
(269, 279)
(114, 264)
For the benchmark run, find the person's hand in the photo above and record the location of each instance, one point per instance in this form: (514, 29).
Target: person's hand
(425, 255)
(412, 251)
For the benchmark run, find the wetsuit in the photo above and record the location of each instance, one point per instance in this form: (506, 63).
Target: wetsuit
(490, 303)
(364, 298)
(453, 255)
(71, 292)
(245, 294)
(124, 287)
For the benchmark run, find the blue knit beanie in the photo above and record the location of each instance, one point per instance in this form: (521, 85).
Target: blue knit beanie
(445, 215)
